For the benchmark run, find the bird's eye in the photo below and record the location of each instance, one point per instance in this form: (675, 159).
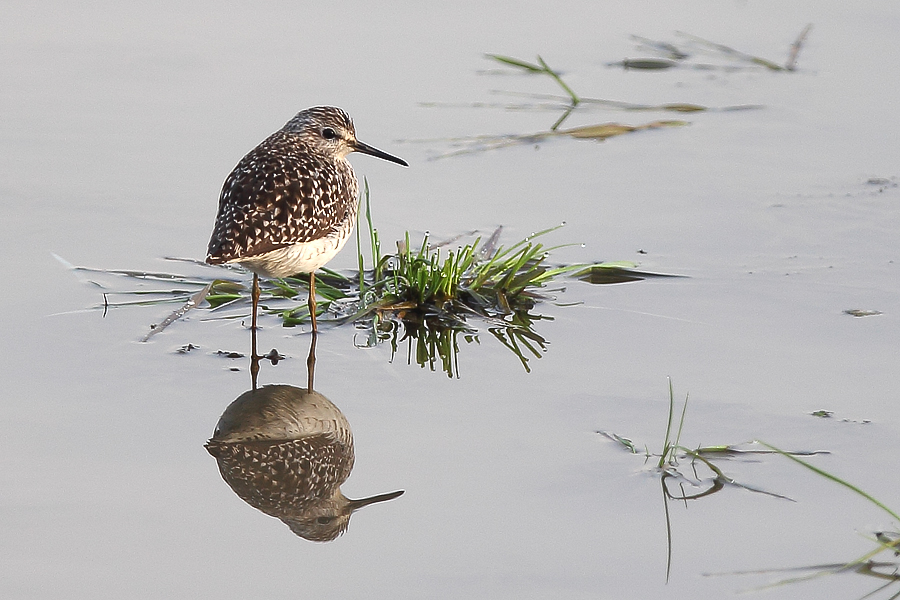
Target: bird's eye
(328, 133)
(324, 520)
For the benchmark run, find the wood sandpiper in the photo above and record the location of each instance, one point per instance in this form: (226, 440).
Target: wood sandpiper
(290, 205)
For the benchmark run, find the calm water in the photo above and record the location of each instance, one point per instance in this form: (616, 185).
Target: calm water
(119, 125)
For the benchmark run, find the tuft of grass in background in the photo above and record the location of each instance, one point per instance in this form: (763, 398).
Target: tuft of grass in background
(573, 100)
(542, 68)
(668, 55)
(672, 54)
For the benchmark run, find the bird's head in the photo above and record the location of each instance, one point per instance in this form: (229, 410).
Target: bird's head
(330, 130)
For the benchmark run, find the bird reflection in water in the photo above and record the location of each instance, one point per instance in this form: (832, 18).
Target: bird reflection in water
(286, 451)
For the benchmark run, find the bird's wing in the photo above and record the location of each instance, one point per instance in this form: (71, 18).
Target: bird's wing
(278, 195)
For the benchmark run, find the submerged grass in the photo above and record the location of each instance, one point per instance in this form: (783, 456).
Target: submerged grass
(887, 572)
(672, 54)
(668, 464)
(669, 460)
(543, 68)
(573, 100)
(599, 132)
(677, 54)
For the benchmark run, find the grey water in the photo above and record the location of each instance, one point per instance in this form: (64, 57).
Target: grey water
(119, 125)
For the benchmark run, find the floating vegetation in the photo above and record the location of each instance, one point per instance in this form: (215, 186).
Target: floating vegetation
(887, 572)
(551, 102)
(678, 465)
(483, 143)
(543, 68)
(672, 55)
(573, 100)
(565, 105)
(426, 296)
(674, 453)
(882, 183)
(859, 312)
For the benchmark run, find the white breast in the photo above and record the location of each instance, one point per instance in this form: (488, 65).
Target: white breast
(303, 257)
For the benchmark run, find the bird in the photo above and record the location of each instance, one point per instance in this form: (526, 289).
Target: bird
(286, 451)
(290, 204)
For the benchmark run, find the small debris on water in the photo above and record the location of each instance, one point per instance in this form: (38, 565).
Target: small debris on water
(858, 312)
(274, 356)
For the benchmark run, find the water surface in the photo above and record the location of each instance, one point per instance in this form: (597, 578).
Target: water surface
(119, 124)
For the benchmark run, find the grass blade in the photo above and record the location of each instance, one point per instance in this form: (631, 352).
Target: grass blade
(835, 479)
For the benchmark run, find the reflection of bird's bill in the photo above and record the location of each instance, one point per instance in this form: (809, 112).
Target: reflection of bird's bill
(354, 505)
(373, 151)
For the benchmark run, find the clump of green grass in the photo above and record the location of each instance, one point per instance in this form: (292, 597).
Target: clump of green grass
(498, 284)
(424, 296)
(469, 274)
(429, 277)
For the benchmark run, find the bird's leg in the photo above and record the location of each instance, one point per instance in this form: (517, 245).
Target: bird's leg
(254, 299)
(254, 357)
(254, 367)
(311, 362)
(312, 301)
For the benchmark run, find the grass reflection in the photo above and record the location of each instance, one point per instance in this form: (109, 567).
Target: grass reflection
(433, 341)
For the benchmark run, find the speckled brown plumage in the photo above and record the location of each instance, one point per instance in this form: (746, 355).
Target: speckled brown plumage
(293, 480)
(294, 188)
(290, 204)
(286, 451)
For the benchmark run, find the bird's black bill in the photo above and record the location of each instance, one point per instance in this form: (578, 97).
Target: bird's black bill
(372, 151)
(357, 504)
